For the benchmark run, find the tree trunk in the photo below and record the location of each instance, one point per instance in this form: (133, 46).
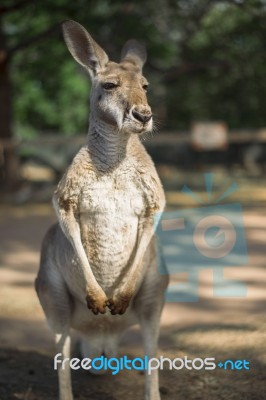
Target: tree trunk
(8, 156)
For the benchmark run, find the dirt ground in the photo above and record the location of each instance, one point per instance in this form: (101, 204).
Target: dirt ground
(213, 327)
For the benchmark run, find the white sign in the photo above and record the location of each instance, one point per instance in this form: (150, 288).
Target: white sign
(209, 136)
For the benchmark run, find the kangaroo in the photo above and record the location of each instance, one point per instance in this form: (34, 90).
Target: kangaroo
(98, 270)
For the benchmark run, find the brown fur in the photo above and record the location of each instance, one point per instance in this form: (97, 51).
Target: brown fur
(101, 255)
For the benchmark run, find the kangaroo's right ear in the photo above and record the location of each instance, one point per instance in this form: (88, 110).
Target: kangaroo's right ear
(83, 48)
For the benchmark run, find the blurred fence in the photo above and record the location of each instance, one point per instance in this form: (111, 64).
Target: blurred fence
(204, 144)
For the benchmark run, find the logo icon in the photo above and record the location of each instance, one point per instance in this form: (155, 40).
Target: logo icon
(208, 236)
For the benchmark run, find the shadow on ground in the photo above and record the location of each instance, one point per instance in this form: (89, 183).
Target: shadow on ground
(29, 375)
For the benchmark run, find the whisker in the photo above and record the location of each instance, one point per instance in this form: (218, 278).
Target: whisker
(147, 135)
(158, 123)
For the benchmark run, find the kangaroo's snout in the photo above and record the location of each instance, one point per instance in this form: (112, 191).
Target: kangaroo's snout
(142, 114)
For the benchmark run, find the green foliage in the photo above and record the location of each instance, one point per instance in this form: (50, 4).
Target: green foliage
(206, 60)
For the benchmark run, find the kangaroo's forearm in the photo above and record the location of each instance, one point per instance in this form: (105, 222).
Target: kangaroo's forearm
(124, 293)
(71, 230)
(93, 294)
(135, 273)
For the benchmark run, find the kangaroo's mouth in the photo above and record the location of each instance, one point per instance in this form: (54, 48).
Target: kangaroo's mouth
(133, 126)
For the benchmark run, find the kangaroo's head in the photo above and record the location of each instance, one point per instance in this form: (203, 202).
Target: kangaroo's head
(118, 95)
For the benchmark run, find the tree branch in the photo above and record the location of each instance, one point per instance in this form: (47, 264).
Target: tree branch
(171, 74)
(28, 42)
(15, 6)
(186, 68)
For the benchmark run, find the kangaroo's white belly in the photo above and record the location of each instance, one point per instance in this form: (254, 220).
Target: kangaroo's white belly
(109, 229)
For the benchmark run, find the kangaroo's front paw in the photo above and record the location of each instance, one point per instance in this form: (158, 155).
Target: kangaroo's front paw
(118, 304)
(97, 302)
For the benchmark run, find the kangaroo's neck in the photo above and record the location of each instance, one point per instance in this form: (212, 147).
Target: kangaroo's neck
(107, 146)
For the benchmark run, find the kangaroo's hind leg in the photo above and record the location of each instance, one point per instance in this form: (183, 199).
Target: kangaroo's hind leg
(149, 304)
(56, 303)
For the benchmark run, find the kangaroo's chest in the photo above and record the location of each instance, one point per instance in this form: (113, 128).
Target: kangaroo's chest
(110, 209)
(114, 196)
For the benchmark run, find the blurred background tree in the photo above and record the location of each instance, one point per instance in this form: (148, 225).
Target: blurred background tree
(206, 62)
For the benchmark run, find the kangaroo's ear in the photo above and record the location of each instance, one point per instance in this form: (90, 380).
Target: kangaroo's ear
(83, 48)
(134, 52)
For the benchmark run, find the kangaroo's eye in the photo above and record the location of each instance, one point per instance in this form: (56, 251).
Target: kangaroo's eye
(109, 85)
(145, 87)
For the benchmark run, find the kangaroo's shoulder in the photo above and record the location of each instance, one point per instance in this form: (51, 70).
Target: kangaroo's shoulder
(147, 175)
(77, 174)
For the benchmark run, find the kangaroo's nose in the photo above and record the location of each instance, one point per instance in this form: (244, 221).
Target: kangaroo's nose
(143, 115)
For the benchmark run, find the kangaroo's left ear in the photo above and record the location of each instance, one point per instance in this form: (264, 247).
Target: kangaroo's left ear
(134, 52)
(83, 47)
